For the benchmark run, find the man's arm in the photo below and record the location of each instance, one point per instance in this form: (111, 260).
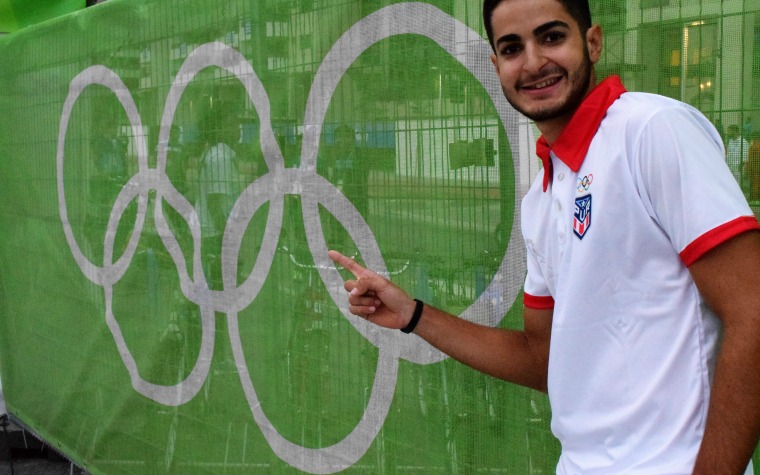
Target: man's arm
(520, 357)
(728, 277)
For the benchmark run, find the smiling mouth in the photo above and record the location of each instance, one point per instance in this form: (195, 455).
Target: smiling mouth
(543, 84)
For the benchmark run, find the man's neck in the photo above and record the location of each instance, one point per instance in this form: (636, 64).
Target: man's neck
(551, 129)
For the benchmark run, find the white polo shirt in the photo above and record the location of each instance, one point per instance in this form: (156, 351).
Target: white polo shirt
(609, 243)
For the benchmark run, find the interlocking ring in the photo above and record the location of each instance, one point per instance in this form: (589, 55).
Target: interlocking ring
(585, 182)
(464, 44)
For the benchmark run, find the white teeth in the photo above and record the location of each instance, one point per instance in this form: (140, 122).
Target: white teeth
(544, 84)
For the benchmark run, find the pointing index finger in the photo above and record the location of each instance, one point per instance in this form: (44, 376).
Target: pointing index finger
(348, 263)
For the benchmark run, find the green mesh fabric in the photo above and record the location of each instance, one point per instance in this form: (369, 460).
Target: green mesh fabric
(18, 14)
(172, 174)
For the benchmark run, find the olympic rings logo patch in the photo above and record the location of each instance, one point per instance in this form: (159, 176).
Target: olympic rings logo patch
(460, 41)
(585, 182)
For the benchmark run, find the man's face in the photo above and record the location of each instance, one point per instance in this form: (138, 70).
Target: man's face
(544, 62)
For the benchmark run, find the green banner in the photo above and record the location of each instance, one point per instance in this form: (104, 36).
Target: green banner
(176, 172)
(173, 172)
(17, 14)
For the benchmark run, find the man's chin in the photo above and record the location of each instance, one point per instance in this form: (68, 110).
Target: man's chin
(538, 113)
(543, 114)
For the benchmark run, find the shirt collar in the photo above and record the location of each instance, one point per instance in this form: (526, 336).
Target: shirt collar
(573, 142)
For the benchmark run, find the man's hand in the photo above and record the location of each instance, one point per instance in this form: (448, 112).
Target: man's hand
(374, 297)
(520, 357)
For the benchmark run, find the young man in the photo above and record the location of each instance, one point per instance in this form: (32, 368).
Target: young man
(642, 257)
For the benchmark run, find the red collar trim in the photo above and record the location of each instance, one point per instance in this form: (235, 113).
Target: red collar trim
(573, 143)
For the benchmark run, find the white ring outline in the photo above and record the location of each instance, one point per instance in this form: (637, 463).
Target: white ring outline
(280, 181)
(110, 273)
(473, 52)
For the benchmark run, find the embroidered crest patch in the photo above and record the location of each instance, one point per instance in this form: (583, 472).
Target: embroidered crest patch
(582, 216)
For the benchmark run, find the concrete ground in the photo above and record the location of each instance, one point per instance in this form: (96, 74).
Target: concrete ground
(39, 466)
(21, 453)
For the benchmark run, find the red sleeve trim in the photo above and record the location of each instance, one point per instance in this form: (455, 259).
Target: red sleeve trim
(716, 236)
(538, 303)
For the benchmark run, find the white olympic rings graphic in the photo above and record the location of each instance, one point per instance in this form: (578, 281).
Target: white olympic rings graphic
(461, 42)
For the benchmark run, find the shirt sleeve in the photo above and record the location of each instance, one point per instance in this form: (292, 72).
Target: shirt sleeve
(686, 184)
(536, 294)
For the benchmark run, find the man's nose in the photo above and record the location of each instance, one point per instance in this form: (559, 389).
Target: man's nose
(534, 59)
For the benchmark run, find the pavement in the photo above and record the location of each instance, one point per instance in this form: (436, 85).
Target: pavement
(21, 453)
(39, 466)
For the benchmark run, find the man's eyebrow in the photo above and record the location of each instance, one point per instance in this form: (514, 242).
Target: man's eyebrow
(548, 26)
(510, 38)
(513, 37)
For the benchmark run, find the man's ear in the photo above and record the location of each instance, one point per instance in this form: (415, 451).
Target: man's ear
(495, 63)
(594, 43)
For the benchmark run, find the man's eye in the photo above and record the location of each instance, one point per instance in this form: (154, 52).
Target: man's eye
(510, 50)
(553, 37)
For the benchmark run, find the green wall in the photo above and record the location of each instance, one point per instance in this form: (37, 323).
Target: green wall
(135, 338)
